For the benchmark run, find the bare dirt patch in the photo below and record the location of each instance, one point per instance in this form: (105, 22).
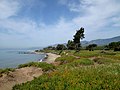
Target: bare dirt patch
(22, 75)
(51, 57)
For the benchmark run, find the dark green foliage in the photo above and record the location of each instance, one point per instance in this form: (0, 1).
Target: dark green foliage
(91, 47)
(70, 45)
(106, 47)
(60, 47)
(6, 71)
(45, 66)
(117, 49)
(36, 50)
(79, 35)
(49, 48)
(115, 46)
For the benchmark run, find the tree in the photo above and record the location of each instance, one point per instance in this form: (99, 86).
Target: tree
(49, 48)
(77, 37)
(70, 45)
(91, 47)
(114, 46)
(61, 47)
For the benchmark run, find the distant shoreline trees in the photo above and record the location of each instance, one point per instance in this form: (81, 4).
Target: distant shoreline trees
(91, 47)
(114, 46)
(75, 44)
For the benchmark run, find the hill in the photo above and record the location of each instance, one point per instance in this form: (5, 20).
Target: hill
(101, 41)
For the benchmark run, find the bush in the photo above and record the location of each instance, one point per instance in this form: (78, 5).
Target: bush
(6, 71)
(65, 59)
(103, 60)
(83, 62)
(45, 66)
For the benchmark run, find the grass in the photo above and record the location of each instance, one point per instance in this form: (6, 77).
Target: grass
(6, 71)
(45, 66)
(82, 62)
(78, 71)
(65, 59)
(87, 54)
(84, 78)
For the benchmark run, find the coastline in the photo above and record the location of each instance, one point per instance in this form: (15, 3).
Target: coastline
(49, 57)
(22, 75)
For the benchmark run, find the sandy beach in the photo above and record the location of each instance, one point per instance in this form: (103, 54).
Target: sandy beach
(51, 57)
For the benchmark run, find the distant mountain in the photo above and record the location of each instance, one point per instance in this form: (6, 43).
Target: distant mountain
(101, 41)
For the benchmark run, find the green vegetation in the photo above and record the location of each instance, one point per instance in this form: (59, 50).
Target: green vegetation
(84, 78)
(78, 70)
(6, 71)
(70, 45)
(45, 66)
(115, 46)
(76, 44)
(61, 47)
(84, 70)
(91, 47)
(65, 59)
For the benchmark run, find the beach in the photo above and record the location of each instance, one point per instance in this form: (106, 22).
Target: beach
(51, 57)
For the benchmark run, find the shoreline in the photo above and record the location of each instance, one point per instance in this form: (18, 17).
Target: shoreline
(49, 57)
(22, 75)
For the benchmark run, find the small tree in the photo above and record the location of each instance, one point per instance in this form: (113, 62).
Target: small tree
(61, 47)
(77, 37)
(70, 45)
(115, 46)
(91, 47)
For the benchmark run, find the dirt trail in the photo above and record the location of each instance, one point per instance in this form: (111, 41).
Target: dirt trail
(21, 75)
(51, 57)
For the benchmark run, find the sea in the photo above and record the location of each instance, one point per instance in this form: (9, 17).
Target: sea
(12, 58)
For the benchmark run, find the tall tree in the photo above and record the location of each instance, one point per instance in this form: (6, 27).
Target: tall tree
(77, 37)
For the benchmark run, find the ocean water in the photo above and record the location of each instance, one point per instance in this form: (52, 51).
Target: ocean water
(12, 58)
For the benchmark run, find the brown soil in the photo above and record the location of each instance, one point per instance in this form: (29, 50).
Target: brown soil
(22, 75)
(51, 57)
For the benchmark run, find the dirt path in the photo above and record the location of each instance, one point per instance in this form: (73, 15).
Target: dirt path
(51, 57)
(19, 76)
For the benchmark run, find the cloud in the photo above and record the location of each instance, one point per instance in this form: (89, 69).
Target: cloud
(100, 12)
(94, 15)
(8, 8)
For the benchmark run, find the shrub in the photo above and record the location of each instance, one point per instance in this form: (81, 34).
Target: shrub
(65, 59)
(6, 71)
(103, 60)
(84, 61)
(45, 66)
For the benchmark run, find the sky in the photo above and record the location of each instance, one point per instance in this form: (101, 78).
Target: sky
(39, 23)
